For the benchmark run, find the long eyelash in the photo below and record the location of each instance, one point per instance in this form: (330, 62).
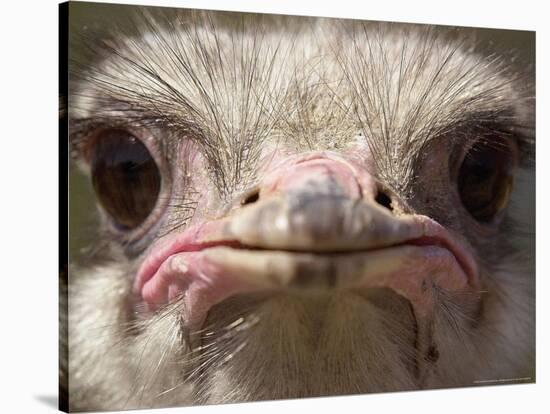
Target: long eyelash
(451, 83)
(180, 211)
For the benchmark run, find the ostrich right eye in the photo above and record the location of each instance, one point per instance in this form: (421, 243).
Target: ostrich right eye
(125, 177)
(485, 179)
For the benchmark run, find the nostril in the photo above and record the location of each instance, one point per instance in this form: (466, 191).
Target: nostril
(384, 200)
(251, 197)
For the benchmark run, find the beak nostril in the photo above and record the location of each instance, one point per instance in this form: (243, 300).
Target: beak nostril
(384, 200)
(251, 197)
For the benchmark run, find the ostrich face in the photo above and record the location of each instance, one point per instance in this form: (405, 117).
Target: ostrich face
(318, 209)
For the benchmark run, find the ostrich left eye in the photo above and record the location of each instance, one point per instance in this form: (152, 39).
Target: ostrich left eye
(125, 177)
(485, 179)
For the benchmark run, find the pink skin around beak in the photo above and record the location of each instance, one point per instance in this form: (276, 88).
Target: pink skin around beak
(315, 227)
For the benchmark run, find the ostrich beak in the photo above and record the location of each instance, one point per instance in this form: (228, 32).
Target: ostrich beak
(314, 228)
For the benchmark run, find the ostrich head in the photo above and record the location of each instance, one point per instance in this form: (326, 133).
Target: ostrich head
(298, 207)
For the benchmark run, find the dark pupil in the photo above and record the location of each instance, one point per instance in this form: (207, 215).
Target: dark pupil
(125, 177)
(484, 181)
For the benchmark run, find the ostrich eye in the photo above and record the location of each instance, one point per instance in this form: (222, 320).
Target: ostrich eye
(485, 179)
(125, 177)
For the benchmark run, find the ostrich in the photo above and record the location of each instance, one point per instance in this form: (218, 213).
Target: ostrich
(297, 207)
